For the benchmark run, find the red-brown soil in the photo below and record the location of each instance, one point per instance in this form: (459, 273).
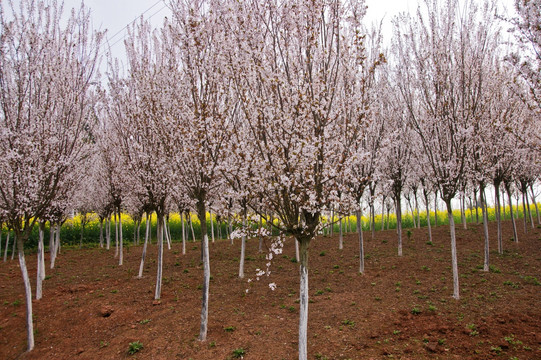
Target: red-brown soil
(93, 309)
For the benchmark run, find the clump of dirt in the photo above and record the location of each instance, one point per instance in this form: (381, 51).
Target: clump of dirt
(401, 307)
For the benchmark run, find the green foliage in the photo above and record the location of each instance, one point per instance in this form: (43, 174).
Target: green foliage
(415, 310)
(239, 353)
(135, 347)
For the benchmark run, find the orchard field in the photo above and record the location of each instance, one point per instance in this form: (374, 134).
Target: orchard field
(400, 308)
(270, 111)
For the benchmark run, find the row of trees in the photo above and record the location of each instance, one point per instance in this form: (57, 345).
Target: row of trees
(282, 110)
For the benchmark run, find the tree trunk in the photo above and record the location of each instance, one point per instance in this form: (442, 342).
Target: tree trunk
(260, 249)
(503, 207)
(159, 228)
(7, 246)
(297, 256)
(230, 227)
(15, 247)
(168, 227)
(202, 212)
(51, 237)
(435, 209)
(425, 194)
(535, 203)
(341, 235)
(242, 248)
(417, 209)
(82, 232)
(508, 191)
(485, 225)
(52, 249)
(383, 214)
(41, 262)
(361, 242)
(454, 262)
(332, 225)
(211, 225)
(144, 255)
(398, 209)
(28, 294)
(116, 235)
(372, 218)
(101, 232)
(121, 241)
(183, 234)
(166, 231)
(191, 227)
(413, 220)
(108, 232)
(303, 311)
(463, 210)
(524, 213)
(528, 207)
(135, 232)
(476, 207)
(139, 230)
(498, 216)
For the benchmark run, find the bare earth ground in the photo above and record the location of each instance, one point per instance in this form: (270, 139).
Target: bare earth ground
(93, 309)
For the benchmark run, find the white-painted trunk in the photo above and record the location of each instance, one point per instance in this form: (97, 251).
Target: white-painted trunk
(211, 225)
(183, 234)
(191, 226)
(382, 214)
(536, 207)
(303, 310)
(482, 195)
(454, 261)
(524, 213)
(417, 210)
(332, 222)
(101, 233)
(52, 244)
(361, 242)
(398, 208)
(297, 251)
(528, 207)
(260, 249)
(116, 236)
(498, 217)
(28, 295)
(229, 226)
(206, 283)
(436, 209)
(6, 249)
(428, 217)
(515, 234)
(463, 211)
(51, 237)
(144, 255)
(166, 234)
(159, 226)
(58, 245)
(40, 265)
(340, 236)
(108, 232)
(242, 248)
(121, 241)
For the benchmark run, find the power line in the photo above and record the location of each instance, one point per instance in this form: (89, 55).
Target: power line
(131, 22)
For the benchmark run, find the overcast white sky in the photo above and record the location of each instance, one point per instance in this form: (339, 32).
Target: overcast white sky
(114, 15)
